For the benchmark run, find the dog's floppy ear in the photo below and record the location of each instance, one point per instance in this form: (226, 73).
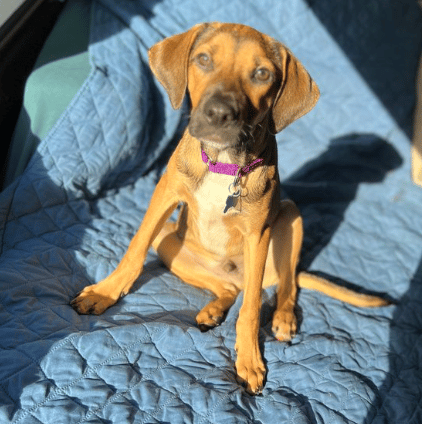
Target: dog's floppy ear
(169, 59)
(298, 93)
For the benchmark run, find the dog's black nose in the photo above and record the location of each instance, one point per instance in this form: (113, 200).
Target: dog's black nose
(220, 111)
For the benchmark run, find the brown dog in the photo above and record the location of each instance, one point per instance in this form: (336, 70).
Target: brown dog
(233, 232)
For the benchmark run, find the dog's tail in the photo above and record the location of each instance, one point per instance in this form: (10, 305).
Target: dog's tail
(314, 282)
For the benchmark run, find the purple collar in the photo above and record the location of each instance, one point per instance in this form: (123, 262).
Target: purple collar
(229, 168)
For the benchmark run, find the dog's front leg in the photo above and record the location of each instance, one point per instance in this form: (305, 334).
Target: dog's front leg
(249, 365)
(95, 299)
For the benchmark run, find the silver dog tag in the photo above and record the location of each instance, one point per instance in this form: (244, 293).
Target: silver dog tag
(233, 199)
(231, 202)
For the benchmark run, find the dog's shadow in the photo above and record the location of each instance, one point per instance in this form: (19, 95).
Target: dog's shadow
(324, 188)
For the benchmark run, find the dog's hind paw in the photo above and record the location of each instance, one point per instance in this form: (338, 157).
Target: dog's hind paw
(213, 314)
(284, 325)
(91, 301)
(210, 316)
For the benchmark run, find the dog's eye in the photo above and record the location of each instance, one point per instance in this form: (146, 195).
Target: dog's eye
(204, 61)
(262, 75)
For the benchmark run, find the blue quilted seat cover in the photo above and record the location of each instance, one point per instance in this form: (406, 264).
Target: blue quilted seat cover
(68, 220)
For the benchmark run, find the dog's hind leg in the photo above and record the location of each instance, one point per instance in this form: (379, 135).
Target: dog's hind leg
(282, 259)
(187, 267)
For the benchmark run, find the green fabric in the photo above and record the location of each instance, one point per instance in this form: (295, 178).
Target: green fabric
(60, 70)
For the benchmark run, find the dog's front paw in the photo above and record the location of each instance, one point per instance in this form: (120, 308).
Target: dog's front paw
(92, 300)
(251, 372)
(284, 325)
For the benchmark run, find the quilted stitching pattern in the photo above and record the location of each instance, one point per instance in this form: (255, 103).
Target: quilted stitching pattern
(69, 219)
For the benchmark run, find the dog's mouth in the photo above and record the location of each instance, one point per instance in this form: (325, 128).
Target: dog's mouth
(215, 144)
(214, 140)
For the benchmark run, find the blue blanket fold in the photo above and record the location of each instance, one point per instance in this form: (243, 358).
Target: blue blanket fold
(67, 221)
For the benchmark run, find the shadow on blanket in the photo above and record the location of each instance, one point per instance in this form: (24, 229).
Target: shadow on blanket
(325, 186)
(380, 40)
(395, 399)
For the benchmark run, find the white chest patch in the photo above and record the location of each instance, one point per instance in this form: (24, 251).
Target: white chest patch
(211, 200)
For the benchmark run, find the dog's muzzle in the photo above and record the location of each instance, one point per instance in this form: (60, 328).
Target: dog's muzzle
(218, 119)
